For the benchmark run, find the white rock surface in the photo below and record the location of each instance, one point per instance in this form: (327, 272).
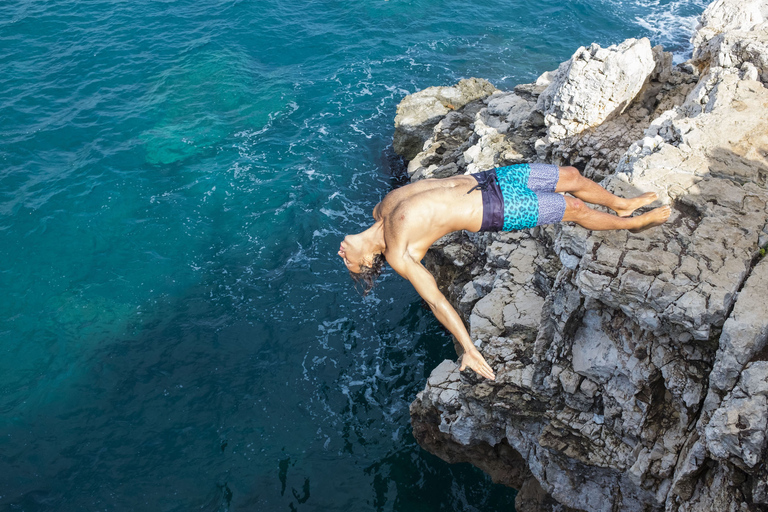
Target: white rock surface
(594, 85)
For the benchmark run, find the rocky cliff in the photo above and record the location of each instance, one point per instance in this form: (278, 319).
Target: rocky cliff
(632, 369)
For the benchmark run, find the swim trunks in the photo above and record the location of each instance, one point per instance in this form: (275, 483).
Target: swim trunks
(520, 196)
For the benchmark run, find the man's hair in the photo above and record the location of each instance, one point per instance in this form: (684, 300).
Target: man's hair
(366, 278)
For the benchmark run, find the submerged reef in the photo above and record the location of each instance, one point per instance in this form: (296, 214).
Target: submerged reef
(632, 369)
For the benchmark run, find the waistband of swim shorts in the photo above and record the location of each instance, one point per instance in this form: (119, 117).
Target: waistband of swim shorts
(493, 203)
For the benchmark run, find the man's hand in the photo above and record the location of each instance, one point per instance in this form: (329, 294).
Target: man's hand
(426, 286)
(475, 360)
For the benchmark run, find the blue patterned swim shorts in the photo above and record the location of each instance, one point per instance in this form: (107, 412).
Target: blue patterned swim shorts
(520, 196)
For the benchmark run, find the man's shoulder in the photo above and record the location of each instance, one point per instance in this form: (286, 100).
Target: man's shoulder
(402, 264)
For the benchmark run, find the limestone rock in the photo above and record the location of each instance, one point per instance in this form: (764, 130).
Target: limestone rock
(419, 112)
(594, 85)
(745, 333)
(631, 367)
(731, 33)
(738, 428)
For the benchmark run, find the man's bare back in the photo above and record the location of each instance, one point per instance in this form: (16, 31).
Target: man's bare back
(410, 219)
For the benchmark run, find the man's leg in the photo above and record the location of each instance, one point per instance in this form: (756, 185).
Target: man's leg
(578, 212)
(573, 182)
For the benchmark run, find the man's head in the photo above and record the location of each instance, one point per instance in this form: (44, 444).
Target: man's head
(368, 274)
(364, 266)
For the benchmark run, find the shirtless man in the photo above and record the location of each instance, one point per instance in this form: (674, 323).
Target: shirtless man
(411, 218)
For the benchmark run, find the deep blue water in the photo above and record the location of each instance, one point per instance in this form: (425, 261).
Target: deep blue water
(176, 332)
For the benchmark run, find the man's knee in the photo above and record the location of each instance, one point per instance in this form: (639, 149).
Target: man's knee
(575, 209)
(568, 180)
(569, 173)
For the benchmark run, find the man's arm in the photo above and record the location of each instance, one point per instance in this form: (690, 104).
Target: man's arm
(427, 288)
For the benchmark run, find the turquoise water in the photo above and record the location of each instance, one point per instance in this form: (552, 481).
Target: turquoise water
(175, 177)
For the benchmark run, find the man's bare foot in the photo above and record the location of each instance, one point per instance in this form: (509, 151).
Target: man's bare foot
(653, 218)
(635, 203)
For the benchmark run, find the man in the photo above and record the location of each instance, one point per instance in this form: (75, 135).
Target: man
(411, 218)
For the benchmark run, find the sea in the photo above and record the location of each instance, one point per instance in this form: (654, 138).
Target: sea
(177, 332)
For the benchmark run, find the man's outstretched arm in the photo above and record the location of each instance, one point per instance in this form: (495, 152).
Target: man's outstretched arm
(427, 288)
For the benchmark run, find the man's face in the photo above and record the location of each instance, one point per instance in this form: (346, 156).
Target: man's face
(351, 253)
